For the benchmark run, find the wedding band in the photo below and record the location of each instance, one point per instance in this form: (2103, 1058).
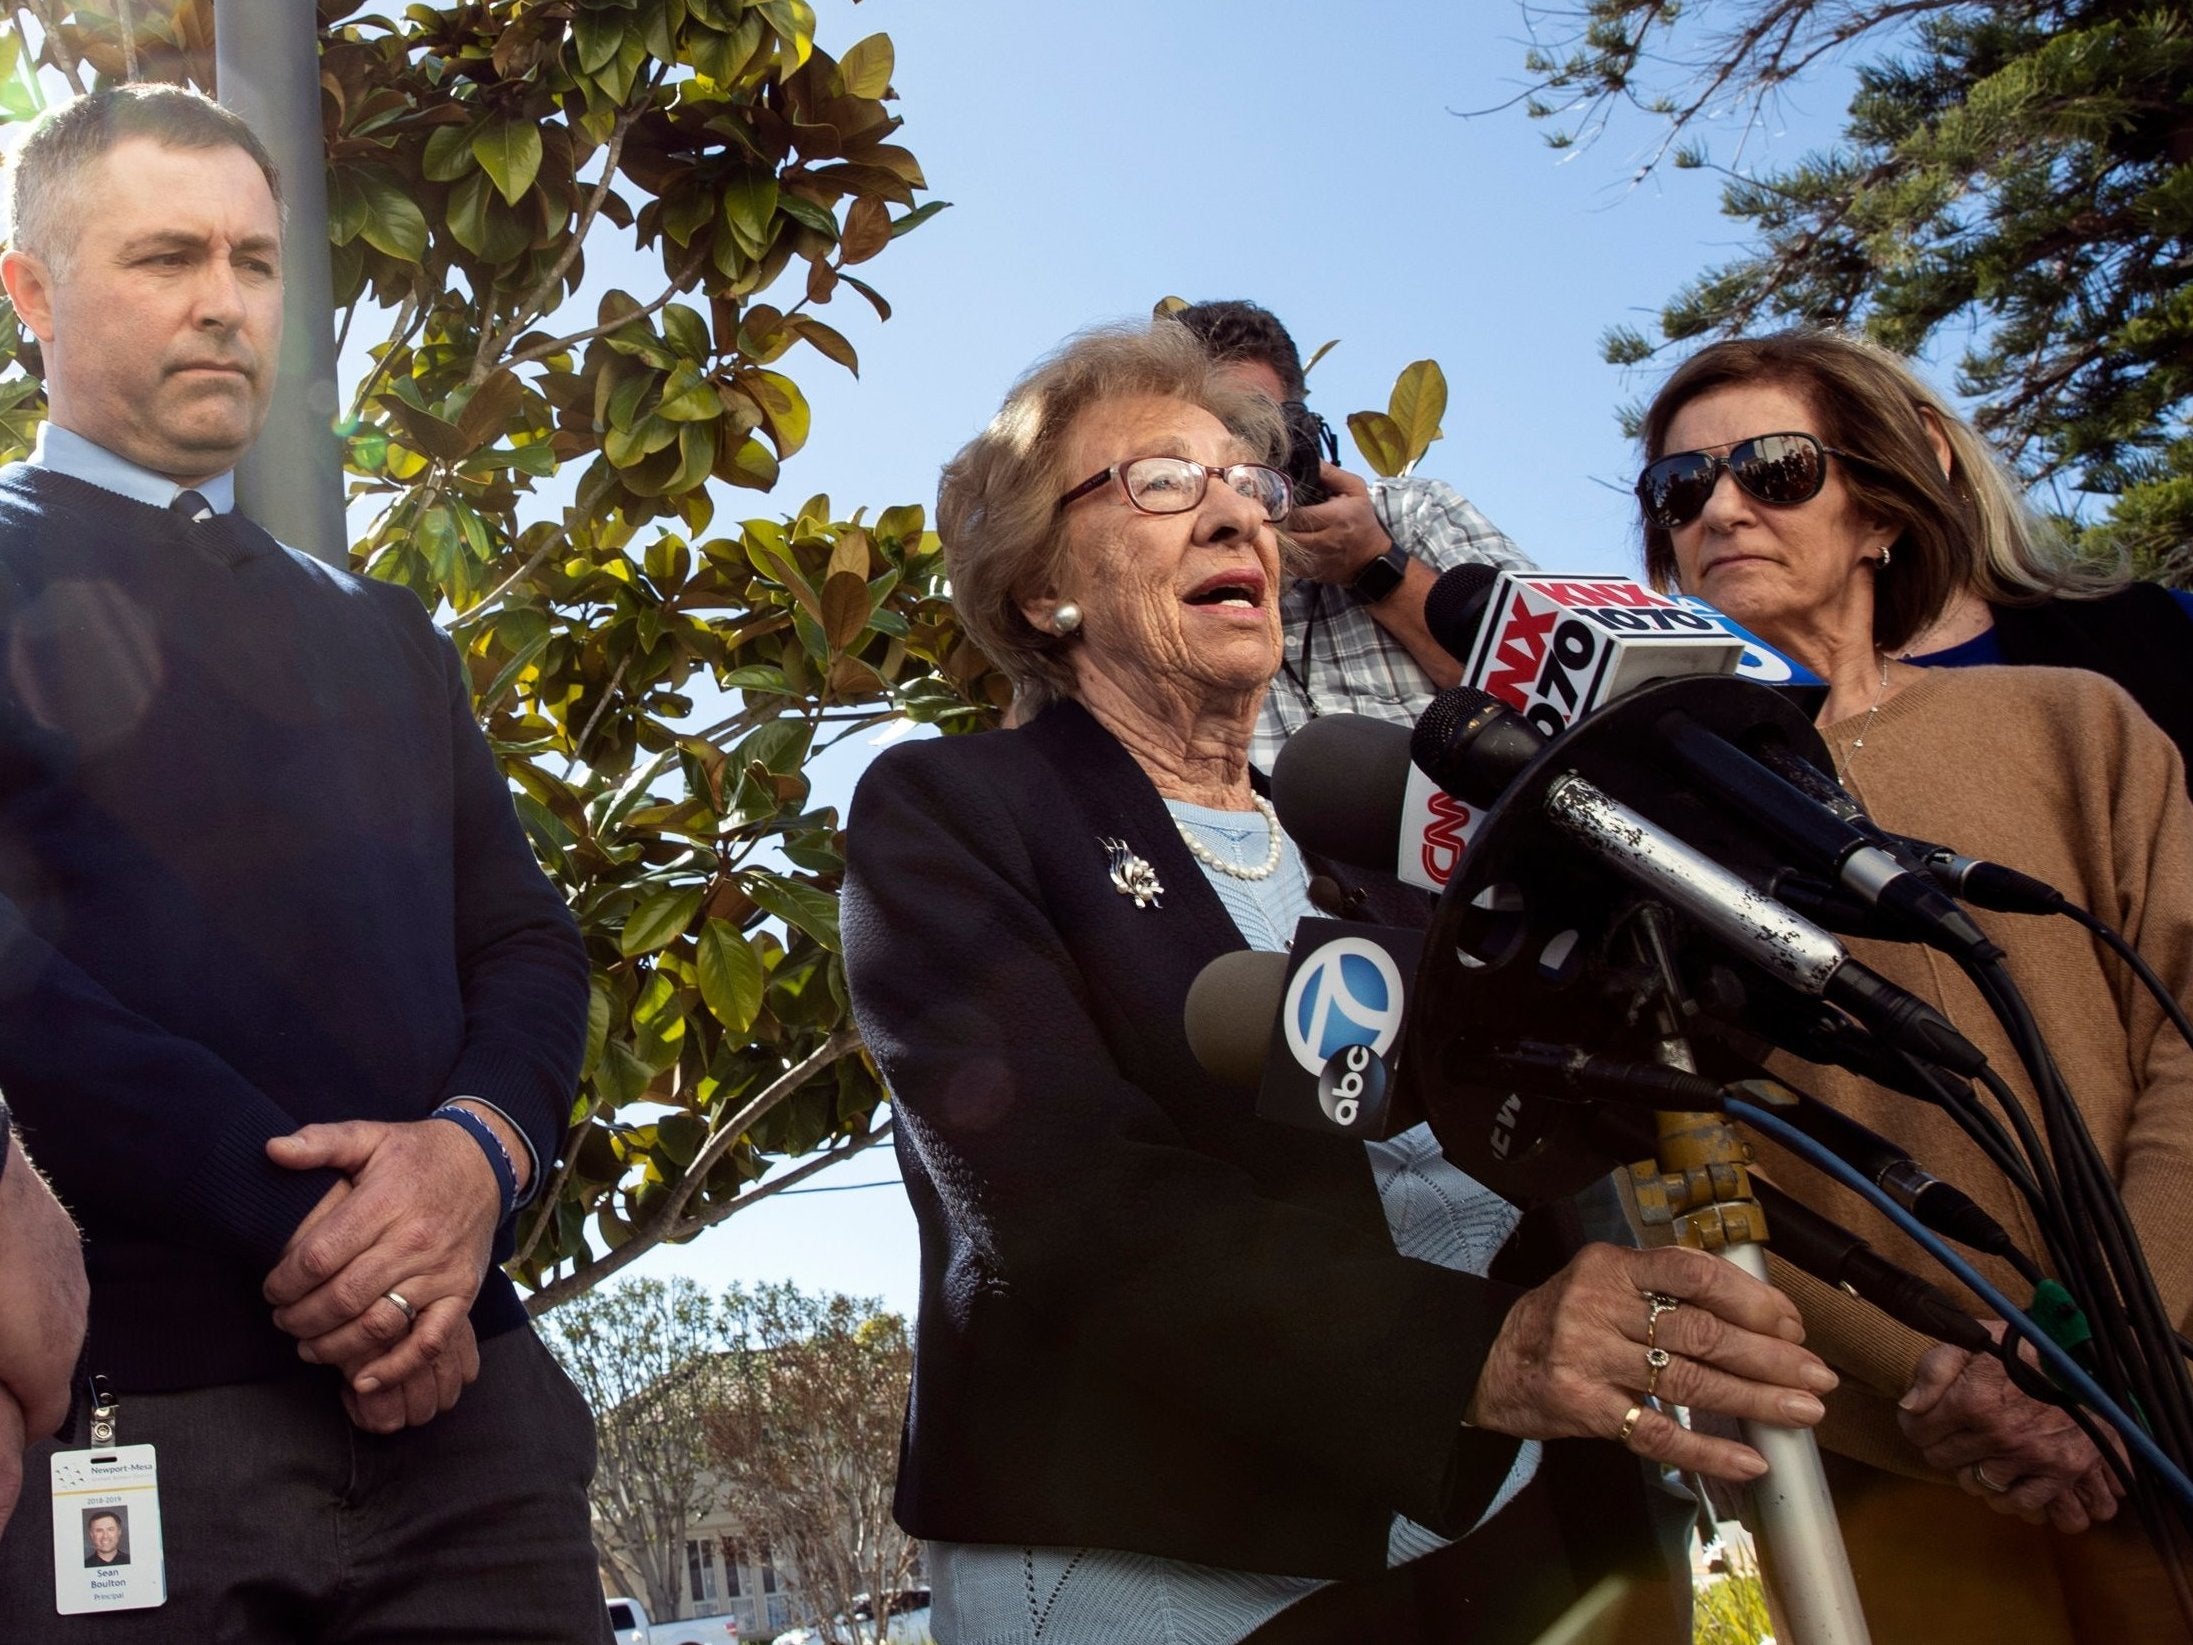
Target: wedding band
(402, 1307)
(1629, 1423)
(1980, 1477)
(1656, 1361)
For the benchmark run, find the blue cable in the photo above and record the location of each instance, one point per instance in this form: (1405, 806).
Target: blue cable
(2066, 1369)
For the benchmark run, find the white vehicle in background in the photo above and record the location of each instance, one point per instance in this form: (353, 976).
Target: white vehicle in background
(628, 1623)
(905, 1622)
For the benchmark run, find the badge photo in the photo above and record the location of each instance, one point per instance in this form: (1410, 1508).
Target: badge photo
(107, 1550)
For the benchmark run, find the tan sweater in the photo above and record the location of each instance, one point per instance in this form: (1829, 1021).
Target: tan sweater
(2058, 773)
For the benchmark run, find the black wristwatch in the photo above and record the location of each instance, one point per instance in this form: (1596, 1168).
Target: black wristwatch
(1381, 577)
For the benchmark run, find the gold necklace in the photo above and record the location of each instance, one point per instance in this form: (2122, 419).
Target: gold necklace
(1879, 692)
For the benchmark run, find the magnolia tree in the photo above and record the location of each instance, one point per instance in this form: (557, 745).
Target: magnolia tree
(654, 673)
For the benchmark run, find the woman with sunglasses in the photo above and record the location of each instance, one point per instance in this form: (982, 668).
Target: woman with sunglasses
(1181, 1374)
(1800, 485)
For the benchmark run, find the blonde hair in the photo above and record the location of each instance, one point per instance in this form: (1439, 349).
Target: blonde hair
(997, 502)
(1969, 529)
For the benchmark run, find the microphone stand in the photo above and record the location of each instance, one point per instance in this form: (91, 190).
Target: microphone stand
(1698, 1190)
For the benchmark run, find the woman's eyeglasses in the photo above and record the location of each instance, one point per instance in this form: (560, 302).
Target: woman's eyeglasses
(1781, 470)
(1174, 485)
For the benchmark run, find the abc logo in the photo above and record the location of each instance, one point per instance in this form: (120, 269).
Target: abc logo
(1347, 993)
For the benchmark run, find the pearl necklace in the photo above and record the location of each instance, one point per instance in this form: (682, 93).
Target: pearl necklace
(1233, 870)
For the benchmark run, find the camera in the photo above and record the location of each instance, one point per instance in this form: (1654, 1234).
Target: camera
(1310, 440)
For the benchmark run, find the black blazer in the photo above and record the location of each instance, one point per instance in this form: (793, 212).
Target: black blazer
(1149, 1321)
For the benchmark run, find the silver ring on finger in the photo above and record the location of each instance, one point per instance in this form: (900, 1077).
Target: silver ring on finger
(1656, 1361)
(402, 1307)
(1986, 1481)
(1630, 1419)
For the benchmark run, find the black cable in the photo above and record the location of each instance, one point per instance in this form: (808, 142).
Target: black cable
(2157, 1370)
(2140, 968)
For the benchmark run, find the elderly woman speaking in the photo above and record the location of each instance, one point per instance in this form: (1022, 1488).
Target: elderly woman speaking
(1183, 1375)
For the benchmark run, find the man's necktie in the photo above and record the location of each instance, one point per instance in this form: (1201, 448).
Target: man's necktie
(191, 506)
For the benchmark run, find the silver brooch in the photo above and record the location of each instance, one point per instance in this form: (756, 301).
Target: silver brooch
(1131, 876)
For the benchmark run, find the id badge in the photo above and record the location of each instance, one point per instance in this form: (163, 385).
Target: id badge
(107, 1554)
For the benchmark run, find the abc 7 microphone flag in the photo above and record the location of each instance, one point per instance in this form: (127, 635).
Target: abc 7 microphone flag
(1553, 647)
(1331, 1063)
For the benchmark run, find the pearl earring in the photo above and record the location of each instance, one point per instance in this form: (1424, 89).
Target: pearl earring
(1884, 557)
(1065, 617)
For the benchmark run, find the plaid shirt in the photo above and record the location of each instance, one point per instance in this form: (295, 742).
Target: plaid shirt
(1338, 660)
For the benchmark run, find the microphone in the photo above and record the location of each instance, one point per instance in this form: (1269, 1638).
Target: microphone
(1475, 747)
(1316, 1031)
(1556, 647)
(1834, 1255)
(1939, 1205)
(1980, 882)
(1229, 1014)
(1859, 864)
(1455, 605)
(1346, 787)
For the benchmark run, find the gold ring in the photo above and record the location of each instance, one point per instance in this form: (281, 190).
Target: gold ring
(1629, 1423)
(1981, 1478)
(1656, 1361)
(1659, 1302)
(402, 1307)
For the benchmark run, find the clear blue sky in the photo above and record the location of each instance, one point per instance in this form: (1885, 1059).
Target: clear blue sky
(1308, 156)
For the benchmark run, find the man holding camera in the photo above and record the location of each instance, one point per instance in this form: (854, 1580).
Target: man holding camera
(1355, 636)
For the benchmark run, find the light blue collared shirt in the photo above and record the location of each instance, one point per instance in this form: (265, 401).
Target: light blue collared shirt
(69, 453)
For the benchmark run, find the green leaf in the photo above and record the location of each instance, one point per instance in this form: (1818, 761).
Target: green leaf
(679, 1137)
(731, 977)
(509, 151)
(804, 907)
(598, 1008)
(448, 154)
(867, 66)
(599, 34)
(658, 1021)
(1419, 401)
(749, 202)
(393, 224)
(805, 212)
(1380, 440)
(659, 920)
(684, 330)
(918, 216)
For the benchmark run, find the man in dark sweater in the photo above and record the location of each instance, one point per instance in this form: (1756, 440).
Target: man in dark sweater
(287, 1009)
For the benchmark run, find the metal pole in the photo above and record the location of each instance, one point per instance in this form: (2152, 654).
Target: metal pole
(1797, 1524)
(1703, 1196)
(267, 60)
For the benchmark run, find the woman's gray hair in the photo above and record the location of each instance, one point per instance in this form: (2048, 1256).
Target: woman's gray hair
(1968, 529)
(997, 503)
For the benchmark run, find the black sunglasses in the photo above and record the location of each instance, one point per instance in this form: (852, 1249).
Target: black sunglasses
(1781, 470)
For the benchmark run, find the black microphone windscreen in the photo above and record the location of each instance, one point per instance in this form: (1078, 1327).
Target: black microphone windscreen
(1229, 1014)
(1472, 744)
(1454, 607)
(1340, 784)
